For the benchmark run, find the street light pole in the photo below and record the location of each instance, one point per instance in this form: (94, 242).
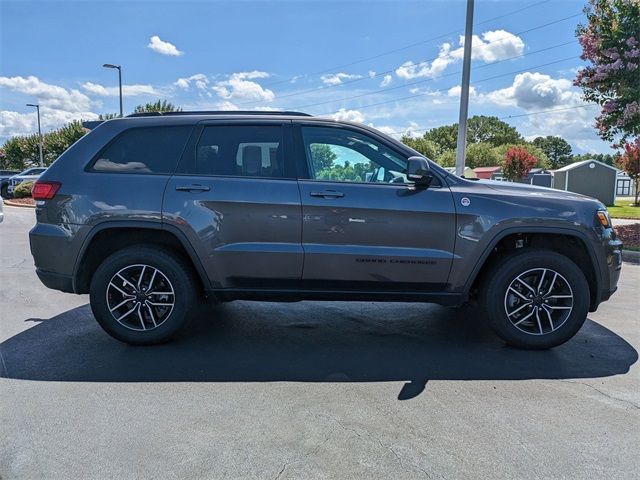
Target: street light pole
(39, 132)
(110, 65)
(464, 92)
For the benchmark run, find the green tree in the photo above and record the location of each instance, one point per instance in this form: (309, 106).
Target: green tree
(482, 155)
(447, 158)
(322, 156)
(420, 144)
(491, 130)
(610, 41)
(630, 163)
(159, 106)
(108, 116)
(444, 138)
(557, 150)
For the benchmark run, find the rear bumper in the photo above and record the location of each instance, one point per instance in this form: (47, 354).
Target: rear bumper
(56, 281)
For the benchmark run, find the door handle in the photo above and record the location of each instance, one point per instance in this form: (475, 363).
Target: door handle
(192, 188)
(327, 194)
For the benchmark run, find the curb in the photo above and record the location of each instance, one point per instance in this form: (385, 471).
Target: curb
(631, 256)
(22, 205)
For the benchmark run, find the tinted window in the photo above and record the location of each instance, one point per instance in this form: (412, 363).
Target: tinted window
(251, 151)
(144, 150)
(346, 156)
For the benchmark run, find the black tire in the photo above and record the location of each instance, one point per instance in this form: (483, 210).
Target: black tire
(175, 275)
(4, 191)
(496, 298)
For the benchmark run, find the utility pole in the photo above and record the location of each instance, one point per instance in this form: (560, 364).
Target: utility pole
(119, 68)
(37, 105)
(464, 92)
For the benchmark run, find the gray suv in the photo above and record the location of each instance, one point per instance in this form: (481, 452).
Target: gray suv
(152, 213)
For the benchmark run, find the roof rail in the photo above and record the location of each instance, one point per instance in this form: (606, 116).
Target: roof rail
(222, 112)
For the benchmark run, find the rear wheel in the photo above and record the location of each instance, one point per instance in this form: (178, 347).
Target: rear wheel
(143, 295)
(535, 298)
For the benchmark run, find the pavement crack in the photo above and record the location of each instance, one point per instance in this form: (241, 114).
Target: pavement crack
(612, 397)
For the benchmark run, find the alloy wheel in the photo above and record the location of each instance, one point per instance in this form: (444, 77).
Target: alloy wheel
(538, 301)
(140, 297)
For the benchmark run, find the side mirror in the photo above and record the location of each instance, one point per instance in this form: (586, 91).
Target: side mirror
(418, 171)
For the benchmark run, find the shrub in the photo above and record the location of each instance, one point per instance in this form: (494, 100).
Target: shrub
(517, 163)
(23, 190)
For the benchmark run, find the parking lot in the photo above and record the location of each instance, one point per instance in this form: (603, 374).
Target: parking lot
(309, 390)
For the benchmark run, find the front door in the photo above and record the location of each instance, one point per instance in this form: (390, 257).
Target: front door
(365, 225)
(236, 197)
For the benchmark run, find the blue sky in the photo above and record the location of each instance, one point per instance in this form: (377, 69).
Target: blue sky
(311, 55)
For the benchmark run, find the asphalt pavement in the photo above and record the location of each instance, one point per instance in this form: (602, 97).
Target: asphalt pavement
(309, 390)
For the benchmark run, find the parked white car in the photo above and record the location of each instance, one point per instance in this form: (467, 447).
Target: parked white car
(28, 175)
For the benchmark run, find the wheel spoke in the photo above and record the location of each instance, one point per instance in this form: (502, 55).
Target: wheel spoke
(544, 307)
(153, 277)
(538, 320)
(150, 310)
(141, 276)
(126, 281)
(560, 296)
(140, 317)
(126, 300)
(557, 307)
(519, 308)
(523, 318)
(553, 282)
(156, 304)
(518, 293)
(159, 293)
(127, 314)
(544, 272)
(124, 294)
(522, 282)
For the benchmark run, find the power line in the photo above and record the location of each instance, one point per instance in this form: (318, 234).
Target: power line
(547, 111)
(410, 64)
(433, 78)
(300, 107)
(406, 47)
(445, 89)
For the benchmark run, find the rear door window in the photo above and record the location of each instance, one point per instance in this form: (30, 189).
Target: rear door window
(144, 150)
(241, 151)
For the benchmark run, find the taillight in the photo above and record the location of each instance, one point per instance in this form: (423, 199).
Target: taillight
(45, 190)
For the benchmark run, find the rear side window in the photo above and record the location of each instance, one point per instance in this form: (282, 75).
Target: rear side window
(249, 151)
(144, 150)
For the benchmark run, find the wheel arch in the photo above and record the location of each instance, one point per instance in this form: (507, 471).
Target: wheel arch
(558, 239)
(108, 237)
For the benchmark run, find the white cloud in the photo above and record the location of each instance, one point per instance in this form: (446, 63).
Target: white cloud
(15, 123)
(162, 47)
(200, 81)
(345, 115)
(127, 90)
(337, 78)
(489, 47)
(535, 91)
(457, 90)
(240, 86)
(48, 95)
(372, 73)
(386, 80)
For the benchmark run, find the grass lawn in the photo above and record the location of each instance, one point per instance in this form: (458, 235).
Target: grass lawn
(624, 209)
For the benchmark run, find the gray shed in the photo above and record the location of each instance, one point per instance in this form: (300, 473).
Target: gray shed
(589, 177)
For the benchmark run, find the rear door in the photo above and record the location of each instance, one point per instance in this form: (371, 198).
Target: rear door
(364, 224)
(236, 198)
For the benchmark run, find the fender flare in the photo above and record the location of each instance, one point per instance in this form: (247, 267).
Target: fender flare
(595, 262)
(143, 225)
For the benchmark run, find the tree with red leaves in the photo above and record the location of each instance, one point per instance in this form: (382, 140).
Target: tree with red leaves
(630, 163)
(517, 163)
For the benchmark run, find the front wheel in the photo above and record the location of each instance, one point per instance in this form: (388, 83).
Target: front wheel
(535, 298)
(142, 295)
